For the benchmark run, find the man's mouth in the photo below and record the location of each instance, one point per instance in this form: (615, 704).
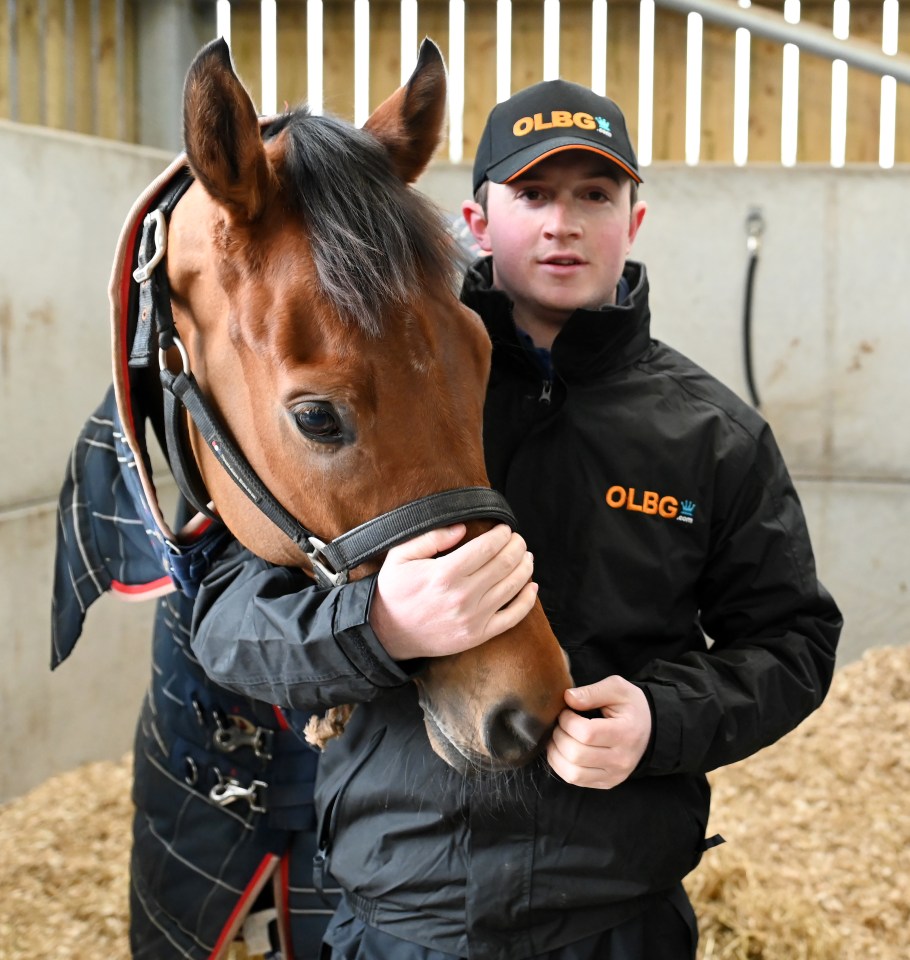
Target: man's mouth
(564, 261)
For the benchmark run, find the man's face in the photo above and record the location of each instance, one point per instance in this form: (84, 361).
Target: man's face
(560, 235)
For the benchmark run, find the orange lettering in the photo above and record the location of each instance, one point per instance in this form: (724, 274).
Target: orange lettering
(651, 503)
(616, 497)
(668, 507)
(584, 120)
(558, 118)
(523, 126)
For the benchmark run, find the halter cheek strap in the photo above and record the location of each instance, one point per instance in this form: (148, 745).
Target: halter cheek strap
(332, 561)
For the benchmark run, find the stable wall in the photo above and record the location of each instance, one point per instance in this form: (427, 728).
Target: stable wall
(830, 333)
(63, 199)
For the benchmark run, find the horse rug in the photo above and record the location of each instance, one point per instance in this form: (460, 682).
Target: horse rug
(224, 825)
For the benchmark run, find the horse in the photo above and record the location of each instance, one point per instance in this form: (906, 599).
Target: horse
(311, 288)
(319, 397)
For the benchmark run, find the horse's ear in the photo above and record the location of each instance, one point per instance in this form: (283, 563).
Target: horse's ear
(409, 123)
(221, 134)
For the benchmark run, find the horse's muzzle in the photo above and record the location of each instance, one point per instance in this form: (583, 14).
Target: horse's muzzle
(508, 738)
(512, 735)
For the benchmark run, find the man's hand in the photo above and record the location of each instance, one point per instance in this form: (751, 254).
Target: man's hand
(428, 605)
(602, 752)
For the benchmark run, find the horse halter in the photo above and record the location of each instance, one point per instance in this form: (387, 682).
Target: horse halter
(332, 561)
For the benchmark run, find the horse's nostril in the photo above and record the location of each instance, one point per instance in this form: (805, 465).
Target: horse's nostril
(512, 734)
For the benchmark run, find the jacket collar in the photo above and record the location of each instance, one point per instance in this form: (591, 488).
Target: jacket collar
(592, 342)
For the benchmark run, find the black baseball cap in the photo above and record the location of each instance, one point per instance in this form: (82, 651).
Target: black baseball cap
(544, 119)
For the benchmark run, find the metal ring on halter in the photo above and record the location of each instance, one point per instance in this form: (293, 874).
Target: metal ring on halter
(184, 356)
(321, 564)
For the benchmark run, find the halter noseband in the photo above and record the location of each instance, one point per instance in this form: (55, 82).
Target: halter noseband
(332, 561)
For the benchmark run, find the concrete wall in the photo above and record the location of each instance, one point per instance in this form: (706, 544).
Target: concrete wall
(830, 333)
(63, 199)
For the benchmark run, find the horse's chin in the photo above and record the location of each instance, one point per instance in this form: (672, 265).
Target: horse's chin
(444, 748)
(465, 761)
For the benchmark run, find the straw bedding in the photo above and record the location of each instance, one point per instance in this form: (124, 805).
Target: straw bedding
(816, 864)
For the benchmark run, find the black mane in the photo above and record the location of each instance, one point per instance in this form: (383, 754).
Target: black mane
(375, 242)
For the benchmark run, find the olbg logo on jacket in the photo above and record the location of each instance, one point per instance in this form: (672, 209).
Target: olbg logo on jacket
(650, 503)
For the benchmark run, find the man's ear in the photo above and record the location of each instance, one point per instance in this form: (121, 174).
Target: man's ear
(635, 219)
(476, 220)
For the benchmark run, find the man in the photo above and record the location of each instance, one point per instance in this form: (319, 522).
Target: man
(658, 511)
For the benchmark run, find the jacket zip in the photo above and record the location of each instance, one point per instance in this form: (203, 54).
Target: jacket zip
(326, 829)
(546, 392)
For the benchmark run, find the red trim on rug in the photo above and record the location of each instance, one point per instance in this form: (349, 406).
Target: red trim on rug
(284, 913)
(126, 277)
(281, 718)
(137, 589)
(253, 889)
(194, 529)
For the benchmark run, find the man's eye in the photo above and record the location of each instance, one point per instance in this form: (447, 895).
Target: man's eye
(318, 421)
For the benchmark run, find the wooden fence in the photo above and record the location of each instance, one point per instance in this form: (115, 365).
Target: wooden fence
(71, 64)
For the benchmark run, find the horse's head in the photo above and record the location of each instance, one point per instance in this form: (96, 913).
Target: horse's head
(313, 290)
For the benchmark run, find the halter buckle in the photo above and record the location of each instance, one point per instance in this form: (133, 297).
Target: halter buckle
(324, 573)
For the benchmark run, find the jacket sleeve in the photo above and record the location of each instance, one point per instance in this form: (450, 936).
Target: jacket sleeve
(270, 633)
(773, 629)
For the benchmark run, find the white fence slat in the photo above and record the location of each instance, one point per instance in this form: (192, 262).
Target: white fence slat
(845, 53)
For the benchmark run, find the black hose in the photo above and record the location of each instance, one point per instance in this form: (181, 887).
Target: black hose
(747, 329)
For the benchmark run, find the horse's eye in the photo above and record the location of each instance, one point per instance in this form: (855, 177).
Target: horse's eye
(318, 422)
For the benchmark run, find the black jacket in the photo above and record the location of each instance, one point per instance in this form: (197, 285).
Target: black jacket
(659, 511)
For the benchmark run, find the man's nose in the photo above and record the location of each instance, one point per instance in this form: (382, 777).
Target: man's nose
(561, 220)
